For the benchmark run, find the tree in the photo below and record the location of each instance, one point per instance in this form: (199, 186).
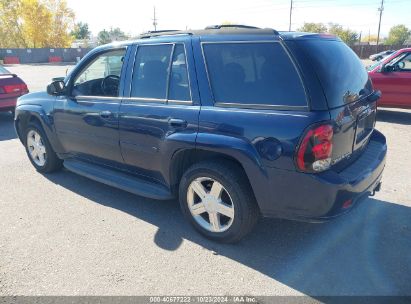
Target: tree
(346, 35)
(398, 35)
(103, 37)
(62, 23)
(81, 31)
(312, 27)
(35, 23)
(369, 38)
(11, 32)
(115, 34)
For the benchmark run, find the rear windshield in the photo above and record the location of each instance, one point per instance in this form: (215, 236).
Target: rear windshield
(340, 71)
(255, 73)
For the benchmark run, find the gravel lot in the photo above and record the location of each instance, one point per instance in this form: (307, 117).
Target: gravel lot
(62, 234)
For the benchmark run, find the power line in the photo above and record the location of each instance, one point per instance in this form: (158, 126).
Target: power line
(291, 12)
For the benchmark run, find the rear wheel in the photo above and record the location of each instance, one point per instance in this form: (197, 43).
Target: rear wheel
(217, 199)
(39, 150)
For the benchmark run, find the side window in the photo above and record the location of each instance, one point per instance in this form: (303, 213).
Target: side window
(101, 77)
(253, 73)
(179, 85)
(151, 71)
(404, 65)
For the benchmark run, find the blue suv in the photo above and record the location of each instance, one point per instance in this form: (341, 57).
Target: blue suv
(235, 121)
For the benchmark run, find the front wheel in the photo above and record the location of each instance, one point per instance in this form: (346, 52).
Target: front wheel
(217, 199)
(39, 150)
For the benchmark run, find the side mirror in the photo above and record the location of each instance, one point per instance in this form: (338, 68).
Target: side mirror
(56, 88)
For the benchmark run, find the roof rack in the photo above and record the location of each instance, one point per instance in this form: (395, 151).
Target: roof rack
(239, 26)
(217, 27)
(157, 33)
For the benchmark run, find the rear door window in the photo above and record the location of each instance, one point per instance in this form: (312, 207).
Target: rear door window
(255, 73)
(151, 71)
(179, 85)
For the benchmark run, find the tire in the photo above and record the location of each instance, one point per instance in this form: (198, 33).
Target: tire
(51, 162)
(236, 194)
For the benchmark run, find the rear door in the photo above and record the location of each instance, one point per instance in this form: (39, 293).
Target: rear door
(160, 114)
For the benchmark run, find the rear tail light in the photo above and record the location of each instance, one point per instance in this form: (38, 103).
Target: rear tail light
(315, 150)
(20, 88)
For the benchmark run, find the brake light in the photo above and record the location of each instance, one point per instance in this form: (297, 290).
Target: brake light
(314, 152)
(14, 88)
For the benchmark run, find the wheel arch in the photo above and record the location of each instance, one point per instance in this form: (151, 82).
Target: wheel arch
(34, 113)
(183, 159)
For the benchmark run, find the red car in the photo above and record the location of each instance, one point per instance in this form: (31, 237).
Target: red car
(11, 88)
(392, 76)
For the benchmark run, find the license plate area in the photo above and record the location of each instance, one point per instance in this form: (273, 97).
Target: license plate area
(365, 125)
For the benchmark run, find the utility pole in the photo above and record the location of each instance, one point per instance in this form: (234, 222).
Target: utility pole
(155, 20)
(291, 12)
(381, 9)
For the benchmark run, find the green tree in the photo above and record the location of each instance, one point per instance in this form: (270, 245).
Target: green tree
(103, 37)
(81, 31)
(312, 27)
(115, 34)
(346, 35)
(397, 35)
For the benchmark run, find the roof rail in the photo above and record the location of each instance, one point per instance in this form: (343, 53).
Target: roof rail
(157, 33)
(239, 26)
(217, 27)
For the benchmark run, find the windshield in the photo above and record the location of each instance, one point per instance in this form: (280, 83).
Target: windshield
(3, 70)
(378, 63)
(372, 66)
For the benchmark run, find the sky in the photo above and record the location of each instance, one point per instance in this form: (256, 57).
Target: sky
(135, 17)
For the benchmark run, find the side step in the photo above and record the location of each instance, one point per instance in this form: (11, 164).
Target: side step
(119, 180)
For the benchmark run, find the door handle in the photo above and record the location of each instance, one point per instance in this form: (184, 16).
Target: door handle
(177, 123)
(106, 114)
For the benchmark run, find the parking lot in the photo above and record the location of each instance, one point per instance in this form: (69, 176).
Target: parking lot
(62, 234)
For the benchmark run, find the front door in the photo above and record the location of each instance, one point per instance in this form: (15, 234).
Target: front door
(395, 84)
(86, 120)
(160, 115)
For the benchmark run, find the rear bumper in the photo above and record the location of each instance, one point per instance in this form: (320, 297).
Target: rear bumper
(320, 197)
(7, 104)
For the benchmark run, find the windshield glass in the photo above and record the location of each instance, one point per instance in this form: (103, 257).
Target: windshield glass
(3, 70)
(373, 66)
(378, 63)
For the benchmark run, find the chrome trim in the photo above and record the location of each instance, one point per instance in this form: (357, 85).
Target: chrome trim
(180, 102)
(147, 100)
(253, 106)
(260, 106)
(96, 97)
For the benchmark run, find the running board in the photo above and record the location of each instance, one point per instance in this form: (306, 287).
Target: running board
(118, 180)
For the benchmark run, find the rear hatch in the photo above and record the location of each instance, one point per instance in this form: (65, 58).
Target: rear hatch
(348, 91)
